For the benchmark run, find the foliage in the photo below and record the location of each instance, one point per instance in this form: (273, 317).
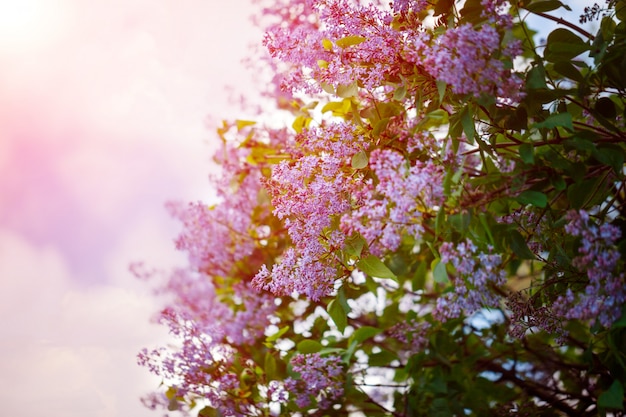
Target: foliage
(438, 232)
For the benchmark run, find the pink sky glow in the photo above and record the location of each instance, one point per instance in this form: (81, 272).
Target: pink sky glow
(102, 119)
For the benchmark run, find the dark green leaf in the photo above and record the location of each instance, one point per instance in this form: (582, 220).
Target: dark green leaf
(543, 6)
(338, 314)
(536, 198)
(612, 398)
(439, 271)
(382, 358)
(579, 193)
(536, 78)
(564, 45)
(467, 121)
(606, 108)
(518, 245)
(568, 70)
(526, 152)
(556, 120)
(611, 155)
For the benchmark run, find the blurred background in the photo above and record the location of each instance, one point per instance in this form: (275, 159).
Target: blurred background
(104, 107)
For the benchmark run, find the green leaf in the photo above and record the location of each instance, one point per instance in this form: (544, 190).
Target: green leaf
(543, 6)
(274, 337)
(350, 41)
(209, 412)
(606, 108)
(469, 128)
(536, 198)
(611, 155)
(440, 274)
(338, 315)
(400, 93)
(374, 267)
(612, 398)
(380, 127)
(382, 358)
(518, 245)
(359, 160)
(309, 346)
(536, 78)
(363, 333)
(526, 153)
(354, 246)
(441, 88)
(348, 90)
(568, 70)
(564, 45)
(269, 366)
(579, 193)
(556, 120)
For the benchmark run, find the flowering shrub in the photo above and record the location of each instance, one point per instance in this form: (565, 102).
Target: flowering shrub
(438, 232)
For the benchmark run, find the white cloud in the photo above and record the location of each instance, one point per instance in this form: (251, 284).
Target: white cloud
(69, 351)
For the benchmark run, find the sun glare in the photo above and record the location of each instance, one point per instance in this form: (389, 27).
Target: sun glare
(28, 23)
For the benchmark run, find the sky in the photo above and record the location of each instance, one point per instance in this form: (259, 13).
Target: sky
(103, 118)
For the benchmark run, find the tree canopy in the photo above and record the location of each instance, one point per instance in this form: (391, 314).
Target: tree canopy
(437, 231)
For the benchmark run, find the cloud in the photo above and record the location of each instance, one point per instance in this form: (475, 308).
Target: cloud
(69, 351)
(103, 118)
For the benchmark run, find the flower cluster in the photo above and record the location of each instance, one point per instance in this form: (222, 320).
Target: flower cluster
(604, 287)
(397, 204)
(307, 195)
(228, 223)
(321, 380)
(465, 58)
(477, 275)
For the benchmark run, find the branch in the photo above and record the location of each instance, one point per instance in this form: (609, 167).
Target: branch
(565, 23)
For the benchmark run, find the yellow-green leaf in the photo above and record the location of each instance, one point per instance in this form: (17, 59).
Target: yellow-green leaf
(243, 123)
(350, 41)
(359, 160)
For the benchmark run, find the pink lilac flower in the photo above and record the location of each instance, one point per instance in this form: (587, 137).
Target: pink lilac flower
(477, 276)
(599, 260)
(321, 380)
(396, 205)
(308, 194)
(403, 6)
(465, 58)
(497, 13)
(210, 329)
(303, 47)
(228, 223)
